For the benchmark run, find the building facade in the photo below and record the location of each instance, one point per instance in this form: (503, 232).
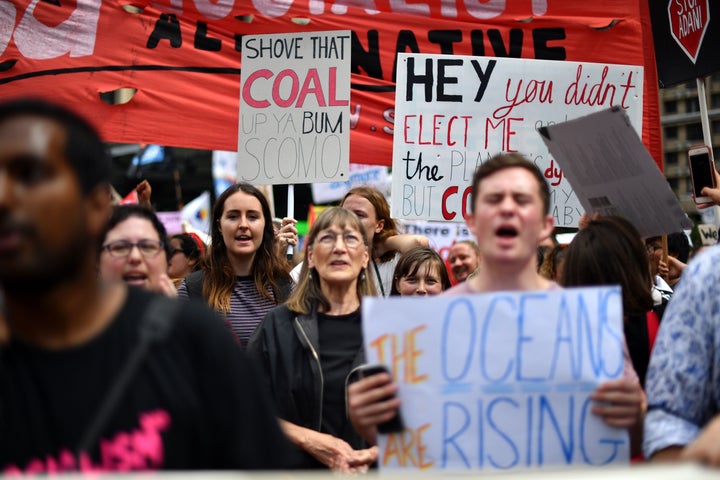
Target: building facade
(680, 119)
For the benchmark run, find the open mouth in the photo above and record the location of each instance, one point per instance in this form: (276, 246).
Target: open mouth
(243, 238)
(135, 278)
(338, 263)
(506, 232)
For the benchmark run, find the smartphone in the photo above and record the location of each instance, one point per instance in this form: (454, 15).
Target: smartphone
(702, 172)
(395, 424)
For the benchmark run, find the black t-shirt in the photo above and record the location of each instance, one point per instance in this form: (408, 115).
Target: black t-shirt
(340, 340)
(194, 402)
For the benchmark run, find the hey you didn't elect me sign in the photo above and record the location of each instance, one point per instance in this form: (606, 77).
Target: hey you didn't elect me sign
(499, 381)
(454, 112)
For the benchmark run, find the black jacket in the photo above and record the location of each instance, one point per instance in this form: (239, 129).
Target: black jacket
(286, 347)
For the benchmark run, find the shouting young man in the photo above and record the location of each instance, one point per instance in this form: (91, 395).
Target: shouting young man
(509, 217)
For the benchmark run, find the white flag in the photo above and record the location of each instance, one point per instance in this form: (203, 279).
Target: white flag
(197, 213)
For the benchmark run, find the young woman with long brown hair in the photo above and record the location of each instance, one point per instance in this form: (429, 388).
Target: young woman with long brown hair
(244, 278)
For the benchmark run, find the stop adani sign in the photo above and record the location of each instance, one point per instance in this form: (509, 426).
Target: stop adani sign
(688, 22)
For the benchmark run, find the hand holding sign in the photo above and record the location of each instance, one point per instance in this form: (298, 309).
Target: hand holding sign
(287, 234)
(619, 402)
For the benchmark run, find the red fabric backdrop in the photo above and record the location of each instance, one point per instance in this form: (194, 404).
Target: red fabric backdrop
(182, 55)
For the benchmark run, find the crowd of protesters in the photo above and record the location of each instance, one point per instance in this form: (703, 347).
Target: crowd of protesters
(102, 368)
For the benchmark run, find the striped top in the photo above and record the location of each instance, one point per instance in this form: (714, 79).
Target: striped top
(248, 307)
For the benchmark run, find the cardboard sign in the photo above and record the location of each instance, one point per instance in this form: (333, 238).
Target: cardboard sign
(612, 173)
(499, 381)
(295, 108)
(183, 56)
(452, 113)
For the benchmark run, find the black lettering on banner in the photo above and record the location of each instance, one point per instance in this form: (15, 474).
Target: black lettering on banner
(514, 48)
(406, 40)
(445, 38)
(203, 42)
(368, 60)
(166, 28)
(476, 40)
(541, 37)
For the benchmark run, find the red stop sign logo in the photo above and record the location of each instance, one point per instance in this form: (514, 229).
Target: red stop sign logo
(688, 22)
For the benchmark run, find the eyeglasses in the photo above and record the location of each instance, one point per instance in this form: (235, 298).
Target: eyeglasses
(329, 239)
(173, 251)
(122, 248)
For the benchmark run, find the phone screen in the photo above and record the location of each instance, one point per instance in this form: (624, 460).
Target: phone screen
(701, 172)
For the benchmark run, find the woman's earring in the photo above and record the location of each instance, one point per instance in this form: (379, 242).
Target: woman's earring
(362, 275)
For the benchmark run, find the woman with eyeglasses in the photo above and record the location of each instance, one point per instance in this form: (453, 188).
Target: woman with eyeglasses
(385, 242)
(134, 249)
(309, 346)
(244, 277)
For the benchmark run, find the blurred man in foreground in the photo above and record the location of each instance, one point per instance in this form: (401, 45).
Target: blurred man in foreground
(98, 376)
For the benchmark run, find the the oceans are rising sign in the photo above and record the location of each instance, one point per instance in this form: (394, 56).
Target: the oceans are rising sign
(499, 381)
(454, 112)
(295, 108)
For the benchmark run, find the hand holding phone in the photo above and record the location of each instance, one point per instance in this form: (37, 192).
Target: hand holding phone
(702, 172)
(395, 424)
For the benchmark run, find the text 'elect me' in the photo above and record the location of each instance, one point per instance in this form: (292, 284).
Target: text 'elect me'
(454, 112)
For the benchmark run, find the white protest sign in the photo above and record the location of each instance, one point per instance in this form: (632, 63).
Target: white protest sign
(441, 235)
(499, 381)
(454, 112)
(294, 108)
(708, 234)
(370, 175)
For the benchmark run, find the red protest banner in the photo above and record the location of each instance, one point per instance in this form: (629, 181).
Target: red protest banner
(183, 56)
